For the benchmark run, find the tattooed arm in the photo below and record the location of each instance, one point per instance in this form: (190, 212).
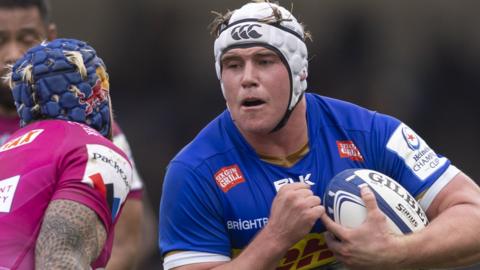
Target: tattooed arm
(71, 237)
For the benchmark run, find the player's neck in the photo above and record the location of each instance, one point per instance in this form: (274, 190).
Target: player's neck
(289, 139)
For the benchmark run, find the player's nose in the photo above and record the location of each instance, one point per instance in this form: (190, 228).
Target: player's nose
(249, 77)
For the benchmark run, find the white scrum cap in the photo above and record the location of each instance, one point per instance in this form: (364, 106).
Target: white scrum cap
(255, 24)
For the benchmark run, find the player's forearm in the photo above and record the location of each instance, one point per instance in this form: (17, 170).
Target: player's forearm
(449, 240)
(264, 252)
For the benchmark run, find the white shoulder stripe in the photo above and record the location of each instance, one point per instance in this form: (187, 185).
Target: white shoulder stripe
(189, 257)
(441, 182)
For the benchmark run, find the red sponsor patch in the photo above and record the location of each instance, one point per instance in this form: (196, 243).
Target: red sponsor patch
(347, 149)
(228, 177)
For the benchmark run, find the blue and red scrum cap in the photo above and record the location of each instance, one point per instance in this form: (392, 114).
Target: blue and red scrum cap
(62, 79)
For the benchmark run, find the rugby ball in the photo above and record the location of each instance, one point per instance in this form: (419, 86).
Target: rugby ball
(343, 202)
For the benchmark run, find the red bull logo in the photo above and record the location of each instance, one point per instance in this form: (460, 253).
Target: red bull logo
(99, 91)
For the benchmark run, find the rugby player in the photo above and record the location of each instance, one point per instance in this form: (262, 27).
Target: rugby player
(245, 193)
(63, 182)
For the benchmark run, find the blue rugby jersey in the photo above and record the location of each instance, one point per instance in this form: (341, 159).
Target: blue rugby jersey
(217, 192)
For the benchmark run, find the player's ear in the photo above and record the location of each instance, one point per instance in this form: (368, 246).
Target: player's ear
(51, 31)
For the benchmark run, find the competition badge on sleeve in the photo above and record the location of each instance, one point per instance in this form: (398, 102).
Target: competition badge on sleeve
(418, 156)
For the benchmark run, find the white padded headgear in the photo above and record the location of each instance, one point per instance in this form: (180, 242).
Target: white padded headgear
(249, 26)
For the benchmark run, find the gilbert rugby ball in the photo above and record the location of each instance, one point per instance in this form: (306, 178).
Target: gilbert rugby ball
(343, 202)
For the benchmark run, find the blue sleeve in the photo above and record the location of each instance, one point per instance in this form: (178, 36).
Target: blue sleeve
(403, 155)
(191, 216)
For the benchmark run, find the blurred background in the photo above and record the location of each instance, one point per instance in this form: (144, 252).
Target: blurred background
(415, 60)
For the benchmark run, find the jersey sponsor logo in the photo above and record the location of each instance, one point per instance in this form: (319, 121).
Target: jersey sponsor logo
(309, 253)
(22, 140)
(347, 149)
(302, 179)
(247, 224)
(415, 152)
(7, 191)
(114, 163)
(121, 141)
(228, 177)
(110, 174)
(245, 31)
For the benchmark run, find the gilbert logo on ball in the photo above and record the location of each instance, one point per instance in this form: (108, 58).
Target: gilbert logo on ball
(344, 204)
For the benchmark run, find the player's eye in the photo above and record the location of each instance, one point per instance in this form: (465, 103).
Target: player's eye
(265, 62)
(231, 64)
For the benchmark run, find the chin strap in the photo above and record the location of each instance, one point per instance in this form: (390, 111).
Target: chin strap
(285, 117)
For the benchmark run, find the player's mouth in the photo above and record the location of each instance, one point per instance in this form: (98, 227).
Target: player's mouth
(252, 103)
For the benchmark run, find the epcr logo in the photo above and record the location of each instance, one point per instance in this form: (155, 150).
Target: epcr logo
(411, 138)
(245, 31)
